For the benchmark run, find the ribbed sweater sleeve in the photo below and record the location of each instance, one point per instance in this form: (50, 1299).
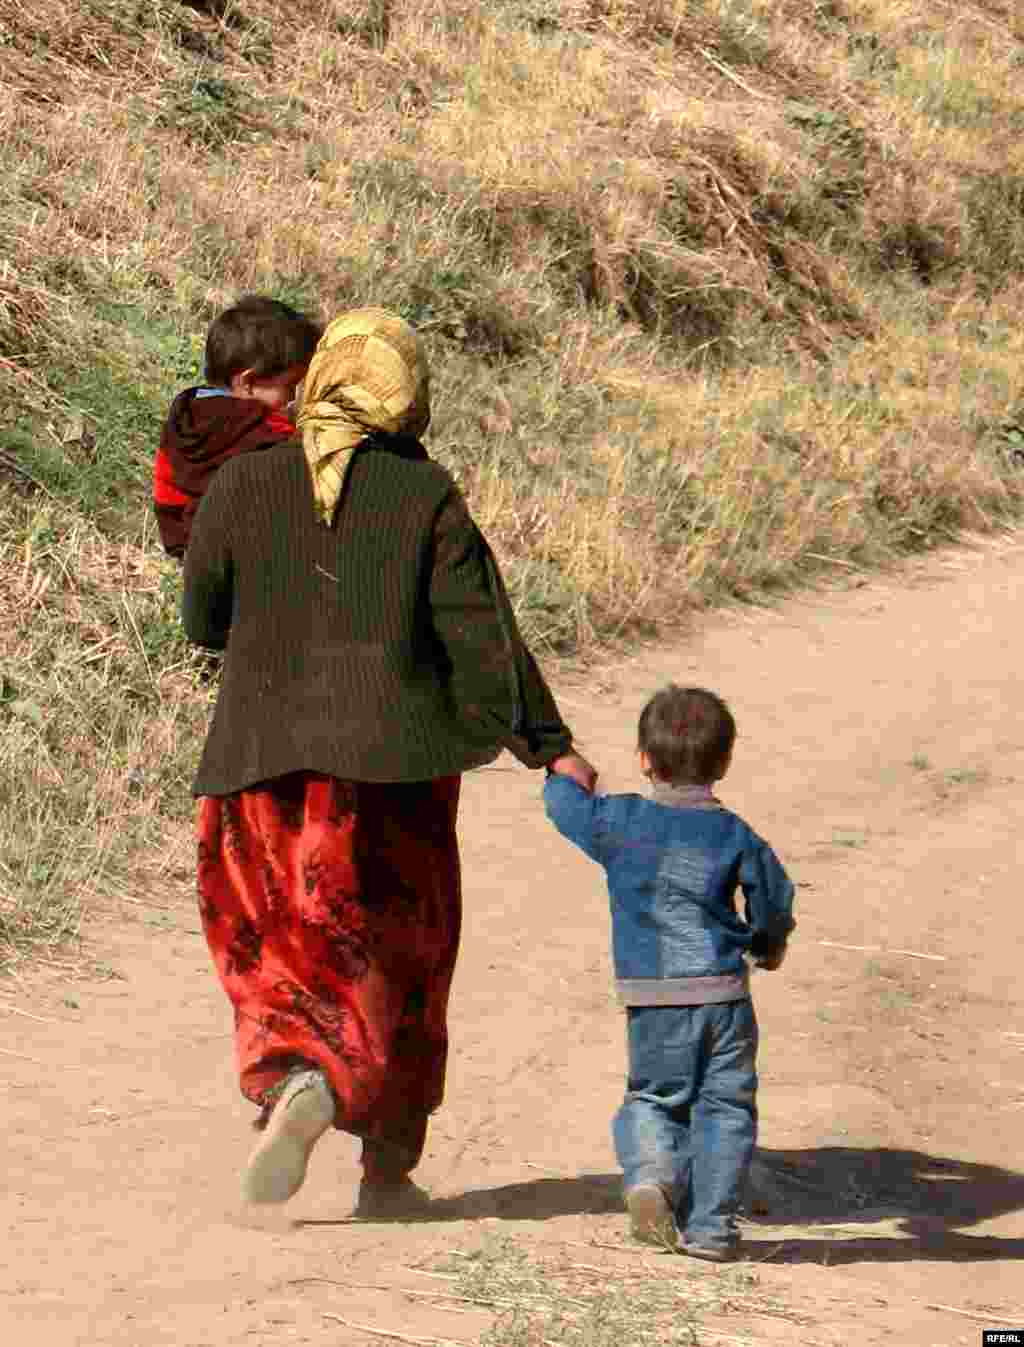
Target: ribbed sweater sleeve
(495, 682)
(208, 597)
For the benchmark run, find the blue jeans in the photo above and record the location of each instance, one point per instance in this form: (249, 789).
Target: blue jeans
(688, 1122)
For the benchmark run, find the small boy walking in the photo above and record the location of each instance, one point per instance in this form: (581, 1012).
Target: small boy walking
(685, 1133)
(256, 353)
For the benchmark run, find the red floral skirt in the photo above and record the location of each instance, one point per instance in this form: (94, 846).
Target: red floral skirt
(332, 911)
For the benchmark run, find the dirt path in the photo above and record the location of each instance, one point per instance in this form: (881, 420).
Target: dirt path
(882, 751)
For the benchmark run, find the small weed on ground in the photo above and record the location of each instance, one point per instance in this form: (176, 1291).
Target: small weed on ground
(852, 840)
(968, 776)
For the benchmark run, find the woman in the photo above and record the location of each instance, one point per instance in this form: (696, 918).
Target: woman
(372, 657)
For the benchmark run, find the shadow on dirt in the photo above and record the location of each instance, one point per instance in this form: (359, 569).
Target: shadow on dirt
(944, 1246)
(928, 1199)
(534, 1200)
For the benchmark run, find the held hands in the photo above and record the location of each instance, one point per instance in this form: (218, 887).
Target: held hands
(581, 771)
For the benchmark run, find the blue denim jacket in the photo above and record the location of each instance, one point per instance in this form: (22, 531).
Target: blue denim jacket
(674, 863)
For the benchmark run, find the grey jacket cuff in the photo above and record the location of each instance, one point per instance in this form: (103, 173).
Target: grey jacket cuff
(702, 991)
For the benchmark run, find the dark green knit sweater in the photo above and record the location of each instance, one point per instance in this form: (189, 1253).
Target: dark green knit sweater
(382, 649)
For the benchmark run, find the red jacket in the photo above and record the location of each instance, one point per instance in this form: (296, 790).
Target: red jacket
(204, 428)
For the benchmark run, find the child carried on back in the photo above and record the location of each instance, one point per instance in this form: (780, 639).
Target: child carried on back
(257, 352)
(685, 1133)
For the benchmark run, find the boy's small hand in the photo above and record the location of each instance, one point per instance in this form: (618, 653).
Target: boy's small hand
(769, 962)
(581, 771)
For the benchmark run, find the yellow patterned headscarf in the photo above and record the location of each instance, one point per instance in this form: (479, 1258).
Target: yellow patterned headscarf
(369, 374)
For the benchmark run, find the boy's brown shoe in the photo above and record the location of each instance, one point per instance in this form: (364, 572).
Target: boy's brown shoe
(277, 1167)
(650, 1217)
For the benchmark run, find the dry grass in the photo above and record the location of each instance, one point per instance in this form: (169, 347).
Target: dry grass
(101, 707)
(588, 1299)
(717, 294)
(607, 1294)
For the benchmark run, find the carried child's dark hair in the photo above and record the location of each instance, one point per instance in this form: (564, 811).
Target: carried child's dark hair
(260, 334)
(688, 734)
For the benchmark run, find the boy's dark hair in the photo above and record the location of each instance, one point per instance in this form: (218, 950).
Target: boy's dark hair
(260, 334)
(688, 734)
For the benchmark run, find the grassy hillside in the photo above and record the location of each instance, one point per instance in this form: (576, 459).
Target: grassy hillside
(717, 294)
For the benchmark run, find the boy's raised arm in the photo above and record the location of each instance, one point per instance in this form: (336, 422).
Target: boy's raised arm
(574, 812)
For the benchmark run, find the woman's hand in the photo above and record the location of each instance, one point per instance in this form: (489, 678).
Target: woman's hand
(581, 771)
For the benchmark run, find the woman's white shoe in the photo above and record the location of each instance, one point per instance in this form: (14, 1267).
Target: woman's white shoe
(277, 1166)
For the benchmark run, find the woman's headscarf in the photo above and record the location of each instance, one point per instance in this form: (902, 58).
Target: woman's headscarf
(369, 374)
